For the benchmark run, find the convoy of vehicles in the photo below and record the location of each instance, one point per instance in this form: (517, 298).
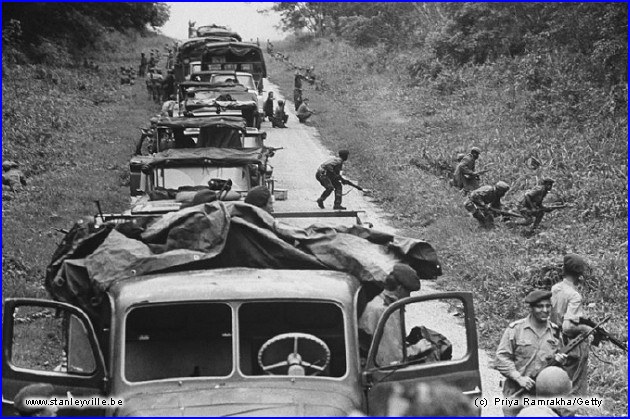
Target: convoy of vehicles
(216, 309)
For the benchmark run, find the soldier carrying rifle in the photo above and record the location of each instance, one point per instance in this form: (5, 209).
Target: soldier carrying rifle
(568, 313)
(531, 205)
(485, 201)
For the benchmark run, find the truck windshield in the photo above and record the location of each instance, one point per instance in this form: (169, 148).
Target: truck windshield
(174, 341)
(271, 333)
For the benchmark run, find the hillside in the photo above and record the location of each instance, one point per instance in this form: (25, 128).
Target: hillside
(404, 136)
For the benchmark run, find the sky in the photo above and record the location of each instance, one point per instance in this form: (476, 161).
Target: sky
(241, 17)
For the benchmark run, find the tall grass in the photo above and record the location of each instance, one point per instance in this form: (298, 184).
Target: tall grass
(72, 130)
(404, 134)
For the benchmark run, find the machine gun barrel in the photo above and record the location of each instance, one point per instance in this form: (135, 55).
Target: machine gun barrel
(602, 334)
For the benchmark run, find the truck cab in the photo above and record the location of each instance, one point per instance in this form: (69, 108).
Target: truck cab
(231, 342)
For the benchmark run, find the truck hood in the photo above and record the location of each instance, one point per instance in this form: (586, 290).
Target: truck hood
(319, 399)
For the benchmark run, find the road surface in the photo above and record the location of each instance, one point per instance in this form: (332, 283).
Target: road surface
(294, 170)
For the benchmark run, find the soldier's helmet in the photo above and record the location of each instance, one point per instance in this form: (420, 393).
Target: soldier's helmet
(502, 186)
(547, 181)
(553, 381)
(475, 150)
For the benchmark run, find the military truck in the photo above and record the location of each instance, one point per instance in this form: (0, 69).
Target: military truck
(219, 310)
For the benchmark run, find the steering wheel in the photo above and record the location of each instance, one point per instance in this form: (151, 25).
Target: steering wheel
(284, 350)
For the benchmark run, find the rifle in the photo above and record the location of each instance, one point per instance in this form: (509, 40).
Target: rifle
(554, 207)
(505, 213)
(602, 335)
(568, 348)
(347, 182)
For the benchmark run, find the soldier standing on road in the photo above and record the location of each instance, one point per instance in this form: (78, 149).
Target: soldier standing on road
(480, 201)
(329, 176)
(268, 106)
(566, 311)
(297, 88)
(464, 176)
(168, 85)
(143, 65)
(528, 345)
(531, 206)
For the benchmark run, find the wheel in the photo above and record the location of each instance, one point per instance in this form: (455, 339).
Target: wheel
(283, 355)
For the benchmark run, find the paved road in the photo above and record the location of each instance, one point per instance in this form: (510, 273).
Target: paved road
(294, 170)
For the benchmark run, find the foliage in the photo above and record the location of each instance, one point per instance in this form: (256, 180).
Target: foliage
(534, 115)
(74, 26)
(479, 32)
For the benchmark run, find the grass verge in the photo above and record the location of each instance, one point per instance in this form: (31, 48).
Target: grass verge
(403, 137)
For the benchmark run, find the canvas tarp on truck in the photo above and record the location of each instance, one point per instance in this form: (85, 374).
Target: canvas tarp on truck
(216, 235)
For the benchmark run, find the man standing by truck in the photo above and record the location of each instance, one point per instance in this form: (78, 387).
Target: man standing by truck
(400, 282)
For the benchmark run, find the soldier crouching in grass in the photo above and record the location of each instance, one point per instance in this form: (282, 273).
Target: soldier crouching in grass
(531, 206)
(481, 202)
(527, 346)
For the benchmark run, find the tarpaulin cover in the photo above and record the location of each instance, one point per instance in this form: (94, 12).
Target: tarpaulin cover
(235, 122)
(204, 85)
(217, 31)
(239, 49)
(222, 234)
(209, 155)
(244, 51)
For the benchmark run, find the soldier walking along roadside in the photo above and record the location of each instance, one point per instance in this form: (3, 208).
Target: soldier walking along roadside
(527, 346)
(329, 176)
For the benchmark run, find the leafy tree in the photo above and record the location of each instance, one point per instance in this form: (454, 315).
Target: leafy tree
(81, 22)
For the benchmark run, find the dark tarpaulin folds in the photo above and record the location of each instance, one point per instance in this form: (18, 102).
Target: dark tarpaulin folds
(222, 234)
(213, 155)
(235, 122)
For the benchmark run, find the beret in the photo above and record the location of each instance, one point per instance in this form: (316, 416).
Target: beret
(258, 196)
(574, 264)
(537, 295)
(39, 390)
(406, 276)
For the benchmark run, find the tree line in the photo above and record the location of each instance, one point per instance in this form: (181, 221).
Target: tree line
(76, 25)
(471, 32)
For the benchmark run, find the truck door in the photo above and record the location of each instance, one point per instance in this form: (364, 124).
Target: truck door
(52, 343)
(430, 338)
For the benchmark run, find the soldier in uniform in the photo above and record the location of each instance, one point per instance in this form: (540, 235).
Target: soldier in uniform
(527, 346)
(531, 205)
(464, 176)
(329, 176)
(400, 282)
(566, 311)
(481, 200)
